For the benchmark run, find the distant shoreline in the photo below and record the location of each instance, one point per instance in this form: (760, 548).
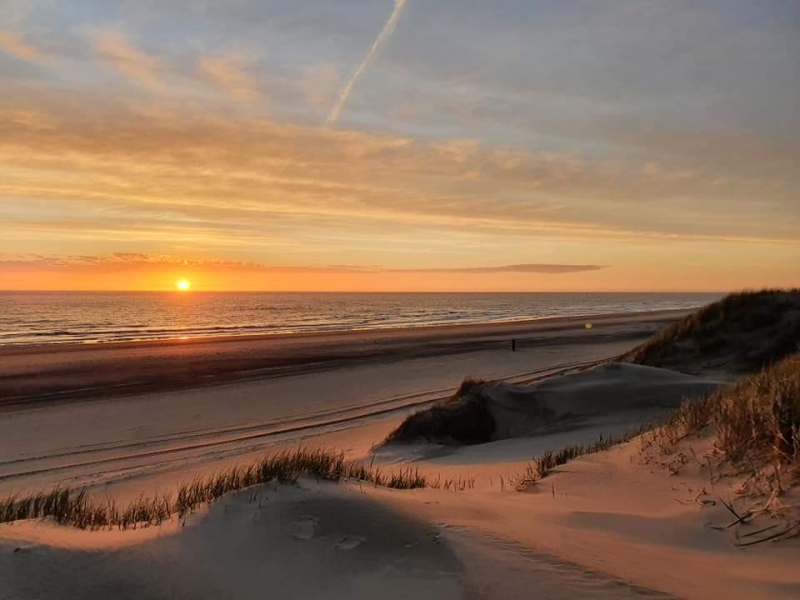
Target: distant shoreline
(53, 318)
(388, 329)
(44, 373)
(400, 328)
(370, 292)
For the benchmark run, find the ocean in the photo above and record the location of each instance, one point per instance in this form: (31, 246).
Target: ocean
(89, 317)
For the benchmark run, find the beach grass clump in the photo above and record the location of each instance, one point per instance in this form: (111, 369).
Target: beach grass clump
(742, 332)
(759, 415)
(464, 418)
(77, 508)
(756, 420)
(453, 484)
(754, 424)
(541, 466)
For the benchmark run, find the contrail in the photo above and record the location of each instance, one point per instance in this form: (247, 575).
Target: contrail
(384, 35)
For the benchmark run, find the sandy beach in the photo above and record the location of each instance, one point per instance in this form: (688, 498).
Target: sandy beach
(618, 524)
(342, 381)
(46, 373)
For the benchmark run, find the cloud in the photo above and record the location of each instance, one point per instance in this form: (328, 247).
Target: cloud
(197, 182)
(545, 269)
(126, 260)
(231, 75)
(13, 44)
(28, 119)
(113, 47)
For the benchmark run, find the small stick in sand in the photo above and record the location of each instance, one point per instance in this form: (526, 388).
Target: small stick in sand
(752, 533)
(739, 518)
(774, 536)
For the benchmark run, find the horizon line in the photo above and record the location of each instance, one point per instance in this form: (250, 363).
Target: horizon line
(212, 291)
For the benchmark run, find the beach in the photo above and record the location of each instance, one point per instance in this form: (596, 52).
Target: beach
(434, 300)
(50, 372)
(124, 420)
(213, 400)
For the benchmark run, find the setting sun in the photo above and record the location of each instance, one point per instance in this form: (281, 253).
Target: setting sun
(183, 285)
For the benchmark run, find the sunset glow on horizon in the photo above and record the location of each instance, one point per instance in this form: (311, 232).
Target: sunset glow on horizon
(376, 147)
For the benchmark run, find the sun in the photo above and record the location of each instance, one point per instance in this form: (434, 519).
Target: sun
(183, 285)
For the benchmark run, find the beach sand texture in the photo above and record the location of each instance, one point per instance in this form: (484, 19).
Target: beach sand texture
(608, 525)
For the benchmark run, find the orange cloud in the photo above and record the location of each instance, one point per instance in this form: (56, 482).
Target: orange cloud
(113, 47)
(167, 182)
(15, 45)
(231, 75)
(126, 260)
(207, 172)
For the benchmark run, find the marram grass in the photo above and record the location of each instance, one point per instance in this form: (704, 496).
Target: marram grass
(757, 419)
(76, 508)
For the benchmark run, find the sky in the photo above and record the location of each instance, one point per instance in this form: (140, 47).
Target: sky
(416, 145)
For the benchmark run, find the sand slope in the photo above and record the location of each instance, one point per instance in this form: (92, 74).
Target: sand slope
(615, 387)
(604, 526)
(498, 410)
(611, 522)
(305, 542)
(743, 332)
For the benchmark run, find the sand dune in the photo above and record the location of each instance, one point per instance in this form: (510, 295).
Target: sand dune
(603, 390)
(610, 525)
(490, 411)
(307, 541)
(740, 333)
(617, 524)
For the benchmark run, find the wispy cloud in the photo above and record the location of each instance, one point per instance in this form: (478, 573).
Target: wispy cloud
(15, 45)
(382, 38)
(244, 178)
(543, 269)
(114, 48)
(125, 260)
(232, 75)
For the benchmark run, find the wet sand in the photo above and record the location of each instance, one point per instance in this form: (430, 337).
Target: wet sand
(48, 373)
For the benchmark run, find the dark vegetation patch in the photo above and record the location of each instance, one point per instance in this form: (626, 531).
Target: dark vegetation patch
(465, 418)
(741, 333)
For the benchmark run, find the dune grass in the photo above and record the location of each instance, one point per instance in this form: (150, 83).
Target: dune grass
(745, 331)
(540, 466)
(756, 420)
(77, 508)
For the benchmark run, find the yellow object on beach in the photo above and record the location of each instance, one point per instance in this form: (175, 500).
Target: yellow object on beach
(588, 326)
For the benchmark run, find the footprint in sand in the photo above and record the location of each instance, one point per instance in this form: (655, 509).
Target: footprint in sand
(350, 542)
(305, 528)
